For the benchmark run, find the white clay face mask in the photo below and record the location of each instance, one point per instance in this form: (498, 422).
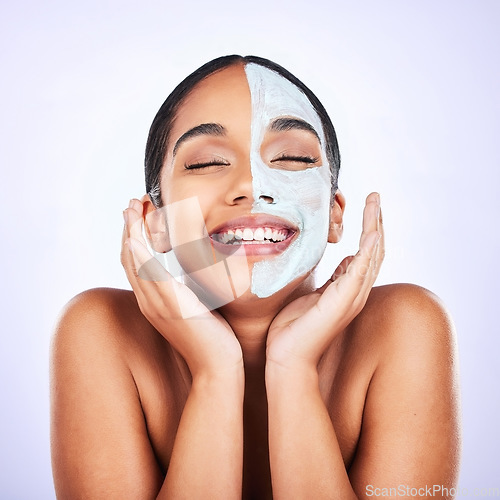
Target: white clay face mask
(300, 196)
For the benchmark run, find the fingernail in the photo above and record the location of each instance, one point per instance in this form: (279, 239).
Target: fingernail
(125, 216)
(131, 203)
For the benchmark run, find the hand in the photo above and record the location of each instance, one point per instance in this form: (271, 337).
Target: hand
(202, 337)
(303, 330)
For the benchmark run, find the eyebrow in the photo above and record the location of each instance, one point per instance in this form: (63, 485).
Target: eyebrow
(213, 129)
(284, 124)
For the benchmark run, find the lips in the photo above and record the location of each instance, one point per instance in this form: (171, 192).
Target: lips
(259, 234)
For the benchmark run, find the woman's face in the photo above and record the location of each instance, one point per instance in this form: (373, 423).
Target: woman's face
(246, 183)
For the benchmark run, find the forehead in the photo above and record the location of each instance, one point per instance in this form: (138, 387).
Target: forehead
(273, 95)
(219, 98)
(244, 94)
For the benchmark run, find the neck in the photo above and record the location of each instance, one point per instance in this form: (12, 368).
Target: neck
(250, 323)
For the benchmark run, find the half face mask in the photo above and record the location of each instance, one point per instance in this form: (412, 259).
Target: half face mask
(299, 196)
(296, 190)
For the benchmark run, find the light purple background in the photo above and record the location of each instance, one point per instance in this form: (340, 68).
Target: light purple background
(412, 88)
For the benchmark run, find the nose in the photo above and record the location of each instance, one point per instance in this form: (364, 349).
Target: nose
(242, 188)
(267, 199)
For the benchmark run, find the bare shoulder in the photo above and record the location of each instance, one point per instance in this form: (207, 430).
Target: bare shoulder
(109, 306)
(103, 318)
(406, 314)
(101, 350)
(411, 410)
(102, 331)
(406, 298)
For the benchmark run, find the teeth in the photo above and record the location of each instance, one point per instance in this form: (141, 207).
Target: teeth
(258, 234)
(248, 235)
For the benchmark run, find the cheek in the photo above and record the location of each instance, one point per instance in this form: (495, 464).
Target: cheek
(297, 195)
(185, 221)
(186, 203)
(313, 201)
(311, 194)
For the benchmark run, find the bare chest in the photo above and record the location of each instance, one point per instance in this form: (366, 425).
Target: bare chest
(343, 388)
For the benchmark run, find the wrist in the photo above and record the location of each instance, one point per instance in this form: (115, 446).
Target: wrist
(223, 378)
(291, 375)
(216, 368)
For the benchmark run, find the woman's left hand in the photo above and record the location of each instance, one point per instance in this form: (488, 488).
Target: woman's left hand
(303, 330)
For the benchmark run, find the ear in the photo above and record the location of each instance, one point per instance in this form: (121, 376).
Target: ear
(336, 217)
(155, 224)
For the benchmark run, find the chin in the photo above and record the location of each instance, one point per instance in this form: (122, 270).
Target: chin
(223, 298)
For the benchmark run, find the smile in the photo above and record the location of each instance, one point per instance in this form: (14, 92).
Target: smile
(255, 236)
(260, 235)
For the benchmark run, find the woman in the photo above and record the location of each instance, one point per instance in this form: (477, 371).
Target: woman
(247, 381)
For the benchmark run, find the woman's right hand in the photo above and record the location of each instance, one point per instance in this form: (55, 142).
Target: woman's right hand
(202, 337)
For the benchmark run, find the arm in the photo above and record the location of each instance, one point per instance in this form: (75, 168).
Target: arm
(304, 452)
(410, 436)
(409, 432)
(208, 451)
(303, 448)
(100, 441)
(207, 457)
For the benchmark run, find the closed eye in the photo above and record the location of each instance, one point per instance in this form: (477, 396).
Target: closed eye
(294, 162)
(303, 159)
(207, 164)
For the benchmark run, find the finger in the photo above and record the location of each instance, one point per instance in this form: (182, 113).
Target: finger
(133, 227)
(354, 285)
(360, 266)
(347, 293)
(372, 269)
(154, 287)
(350, 286)
(158, 284)
(145, 266)
(130, 271)
(339, 271)
(371, 224)
(135, 220)
(371, 214)
(380, 250)
(342, 267)
(125, 254)
(133, 264)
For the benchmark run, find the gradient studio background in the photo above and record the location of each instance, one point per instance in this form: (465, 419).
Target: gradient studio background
(412, 88)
